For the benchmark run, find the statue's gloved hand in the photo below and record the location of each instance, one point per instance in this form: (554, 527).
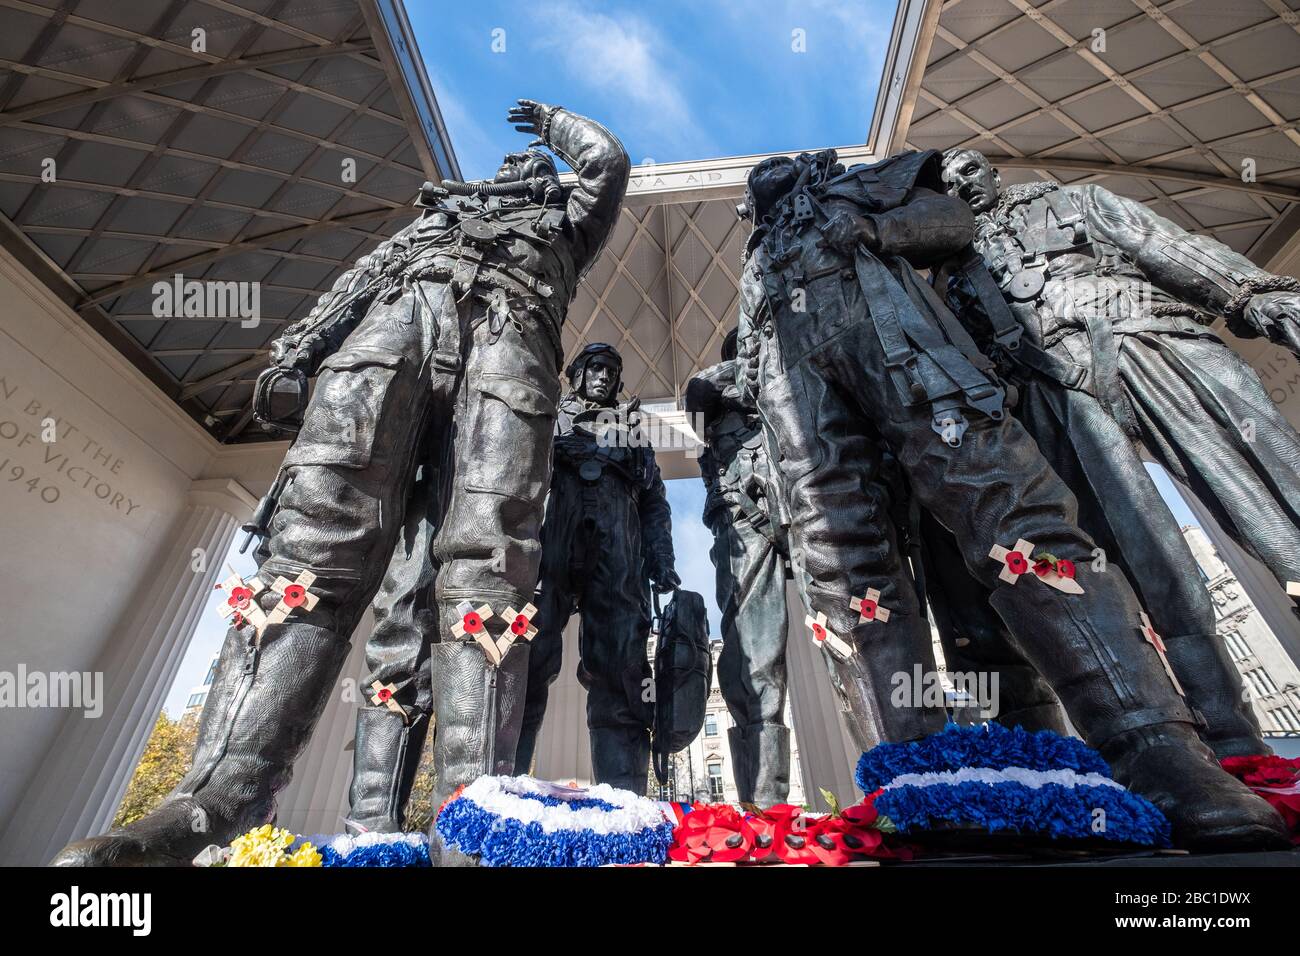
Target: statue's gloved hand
(662, 573)
(531, 117)
(1276, 315)
(299, 354)
(845, 230)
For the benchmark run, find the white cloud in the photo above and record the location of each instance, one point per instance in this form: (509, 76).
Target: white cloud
(624, 59)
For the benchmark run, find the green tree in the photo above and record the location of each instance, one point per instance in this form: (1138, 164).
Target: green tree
(420, 808)
(166, 759)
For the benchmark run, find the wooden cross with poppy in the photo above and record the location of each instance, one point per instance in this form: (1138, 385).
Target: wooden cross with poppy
(472, 624)
(1154, 639)
(520, 627)
(293, 594)
(1015, 560)
(869, 608)
(383, 694)
(240, 605)
(825, 636)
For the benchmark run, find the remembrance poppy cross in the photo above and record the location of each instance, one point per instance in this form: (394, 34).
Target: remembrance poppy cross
(869, 608)
(825, 636)
(293, 594)
(241, 605)
(472, 624)
(1015, 560)
(384, 696)
(1154, 639)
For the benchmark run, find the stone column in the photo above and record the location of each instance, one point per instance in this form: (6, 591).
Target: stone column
(563, 745)
(79, 784)
(827, 756)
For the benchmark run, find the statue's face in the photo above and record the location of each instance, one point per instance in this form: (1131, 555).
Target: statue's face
(599, 379)
(769, 181)
(969, 176)
(512, 169)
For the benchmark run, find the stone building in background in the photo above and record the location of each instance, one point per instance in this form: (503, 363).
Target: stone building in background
(1270, 676)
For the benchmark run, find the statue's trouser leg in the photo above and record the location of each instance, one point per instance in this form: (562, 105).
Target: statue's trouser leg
(614, 607)
(1122, 509)
(488, 546)
(994, 489)
(388, 744)
(977, 646)
(1225, 438)
(751, 667)
(742, 768)
(844, 543)
(339, 516)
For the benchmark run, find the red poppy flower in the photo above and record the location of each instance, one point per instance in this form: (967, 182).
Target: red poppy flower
(862, 814)
(239, 597)
(819, 632)
(1016, 562)
(868, 609)
(295, 595)
(472, 622)
(712, 833)
(762, 836)
(793, 835)
(384, 695)
(1267, 775)
(519, 625)
(838, 840)
(1065, 568)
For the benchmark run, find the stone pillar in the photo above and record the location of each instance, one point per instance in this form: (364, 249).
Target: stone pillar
(563, 746)
(827, 756)
(79, 784)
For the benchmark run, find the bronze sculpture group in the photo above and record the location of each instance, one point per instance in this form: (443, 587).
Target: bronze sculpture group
(974, 438)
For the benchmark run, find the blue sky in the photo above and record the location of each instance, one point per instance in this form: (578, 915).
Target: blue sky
(674, 80)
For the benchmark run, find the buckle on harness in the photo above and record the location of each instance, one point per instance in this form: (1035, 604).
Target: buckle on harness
(803, 210)
(1009, 338)
(989, 400)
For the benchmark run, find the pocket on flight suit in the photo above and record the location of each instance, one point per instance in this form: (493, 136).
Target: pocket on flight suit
(342, 419)
(784, 406)
(511, 408)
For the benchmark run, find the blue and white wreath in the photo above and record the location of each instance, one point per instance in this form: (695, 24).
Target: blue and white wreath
(374, 850)
(520, 821)
(1008, 780)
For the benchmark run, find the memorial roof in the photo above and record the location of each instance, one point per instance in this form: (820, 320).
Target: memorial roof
(208, 138)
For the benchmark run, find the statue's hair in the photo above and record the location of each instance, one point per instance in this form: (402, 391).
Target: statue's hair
(954, 151)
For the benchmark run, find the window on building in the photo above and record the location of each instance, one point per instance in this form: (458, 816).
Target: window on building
(1285, 718)
(212, 672)
(1261, 682)
(1237, 645)
(715, 781)
(710, 725)
(195, 699)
